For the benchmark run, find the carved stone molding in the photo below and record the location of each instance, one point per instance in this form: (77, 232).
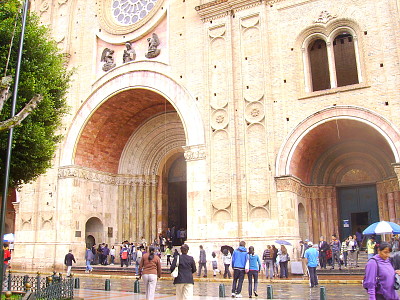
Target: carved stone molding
(220, 8)
(255, 112)
(104, 177)
(324, 17)
(194, 152)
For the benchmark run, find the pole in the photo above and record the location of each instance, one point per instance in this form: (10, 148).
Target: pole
(10, 137)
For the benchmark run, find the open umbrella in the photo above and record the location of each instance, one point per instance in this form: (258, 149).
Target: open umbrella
(230, 249)
(9, 237)
(382, 227)
(282, 242)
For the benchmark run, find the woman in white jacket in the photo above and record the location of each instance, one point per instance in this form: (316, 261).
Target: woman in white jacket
(227, 260)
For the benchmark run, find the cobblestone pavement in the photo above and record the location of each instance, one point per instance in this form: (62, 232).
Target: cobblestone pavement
(93, 288)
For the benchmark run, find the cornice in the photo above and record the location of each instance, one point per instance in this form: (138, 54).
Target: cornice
(221, 8)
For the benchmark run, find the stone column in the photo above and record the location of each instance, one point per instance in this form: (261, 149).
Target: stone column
(322, 211)
(329, 220)
(397, 205)
(331, 63)
(132, 211)
(154, 207)
(198, 202)
(120, 213)
(146, 210)
(391, 207)
(314, 211)
(125, 220)
(139, 209)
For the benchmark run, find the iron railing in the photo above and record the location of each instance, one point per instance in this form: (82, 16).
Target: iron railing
(50, 287)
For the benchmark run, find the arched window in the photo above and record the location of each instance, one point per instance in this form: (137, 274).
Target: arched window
(319, 67)
(331, 60)
(345, 59)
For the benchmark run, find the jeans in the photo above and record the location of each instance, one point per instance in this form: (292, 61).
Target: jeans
(112, 259)
(269, 268)
(336, 257)
(124, 262)
(284, 269)
(150, 282)
(69, 271)
(322, 259)
(313, 276)
(252, 274)
(202, 265)
(137, 268)
(238, 275)
(370, 255)
(227, 272)
(88, 266)
(168, 260)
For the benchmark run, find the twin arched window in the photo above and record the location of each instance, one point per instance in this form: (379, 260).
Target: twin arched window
(333, 61)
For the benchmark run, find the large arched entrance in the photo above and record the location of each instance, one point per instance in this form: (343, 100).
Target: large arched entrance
(343, 166)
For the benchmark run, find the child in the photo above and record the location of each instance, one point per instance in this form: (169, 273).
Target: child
(215, 264)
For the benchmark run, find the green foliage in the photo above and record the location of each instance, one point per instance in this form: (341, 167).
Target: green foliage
(42, 72)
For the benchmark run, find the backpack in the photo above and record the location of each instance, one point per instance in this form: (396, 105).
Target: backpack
(124, 254)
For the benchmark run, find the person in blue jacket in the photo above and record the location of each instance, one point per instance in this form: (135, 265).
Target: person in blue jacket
(239, 258)
(253, 267)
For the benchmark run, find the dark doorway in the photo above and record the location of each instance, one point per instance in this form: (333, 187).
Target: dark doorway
(177, 200)
(90, 241)
(358, 208)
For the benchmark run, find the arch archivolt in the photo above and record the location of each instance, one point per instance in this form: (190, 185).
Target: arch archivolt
(385, 128)
(133, 76)
(148, 147)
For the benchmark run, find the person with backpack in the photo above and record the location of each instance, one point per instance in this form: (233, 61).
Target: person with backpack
(150, 270)
(124, 253)
(379, 276)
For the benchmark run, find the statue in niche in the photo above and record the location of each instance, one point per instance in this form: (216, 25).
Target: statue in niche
(129, 53)
(154, 42)
(108, 59)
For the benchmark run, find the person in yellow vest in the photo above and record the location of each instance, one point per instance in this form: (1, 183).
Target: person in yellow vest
(371, 247)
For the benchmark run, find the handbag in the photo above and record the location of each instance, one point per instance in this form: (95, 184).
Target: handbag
(396, 281)
(174, 273)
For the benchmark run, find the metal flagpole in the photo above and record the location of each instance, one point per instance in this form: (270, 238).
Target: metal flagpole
(10, 138)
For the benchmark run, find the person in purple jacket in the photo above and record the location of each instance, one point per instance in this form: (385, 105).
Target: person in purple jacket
(379, 275)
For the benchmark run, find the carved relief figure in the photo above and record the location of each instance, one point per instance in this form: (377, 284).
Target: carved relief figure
(129, 53)
(154, 42)
(108, 59)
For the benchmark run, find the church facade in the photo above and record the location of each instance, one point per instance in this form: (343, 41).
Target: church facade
(232, 119)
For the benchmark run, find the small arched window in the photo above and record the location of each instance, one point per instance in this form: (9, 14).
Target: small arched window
(319, 67)
(345, 59)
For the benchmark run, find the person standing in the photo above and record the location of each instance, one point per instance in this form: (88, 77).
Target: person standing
(238, 264)
(335, 246)
(89, 257)
(343, 251)
(283, 261)
(139, 256)
(214, 263)
(322, 248)
(168, 253)
(303, 248)
(186, 268)
(352, 252)
(379, 268)
(311, 255)
(150, 270)
(371, 247)
(112, 255)
(268, 262)
(227, 260)
(274, 258)
(69, 258)
(123, 254)
(202, 261)
(253, 267)
(7, 257)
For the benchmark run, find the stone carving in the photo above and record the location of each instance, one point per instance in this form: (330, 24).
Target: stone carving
(255, 112)
(154, 42)
(194, 152)
(129, 53)
(219, 119)
(324, 17)
(108, 58)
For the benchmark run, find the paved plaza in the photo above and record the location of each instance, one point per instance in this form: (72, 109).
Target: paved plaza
(122, 288)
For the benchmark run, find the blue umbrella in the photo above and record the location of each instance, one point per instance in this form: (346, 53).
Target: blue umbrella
(382, 227)
(282, 242)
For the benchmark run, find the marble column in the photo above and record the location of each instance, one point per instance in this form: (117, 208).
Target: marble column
(391, 207)
(397, 205)
(146, 210)
(154, 207)
(132, 212)
(139, 209)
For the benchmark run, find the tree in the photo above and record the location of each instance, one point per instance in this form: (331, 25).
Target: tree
(43, 72)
